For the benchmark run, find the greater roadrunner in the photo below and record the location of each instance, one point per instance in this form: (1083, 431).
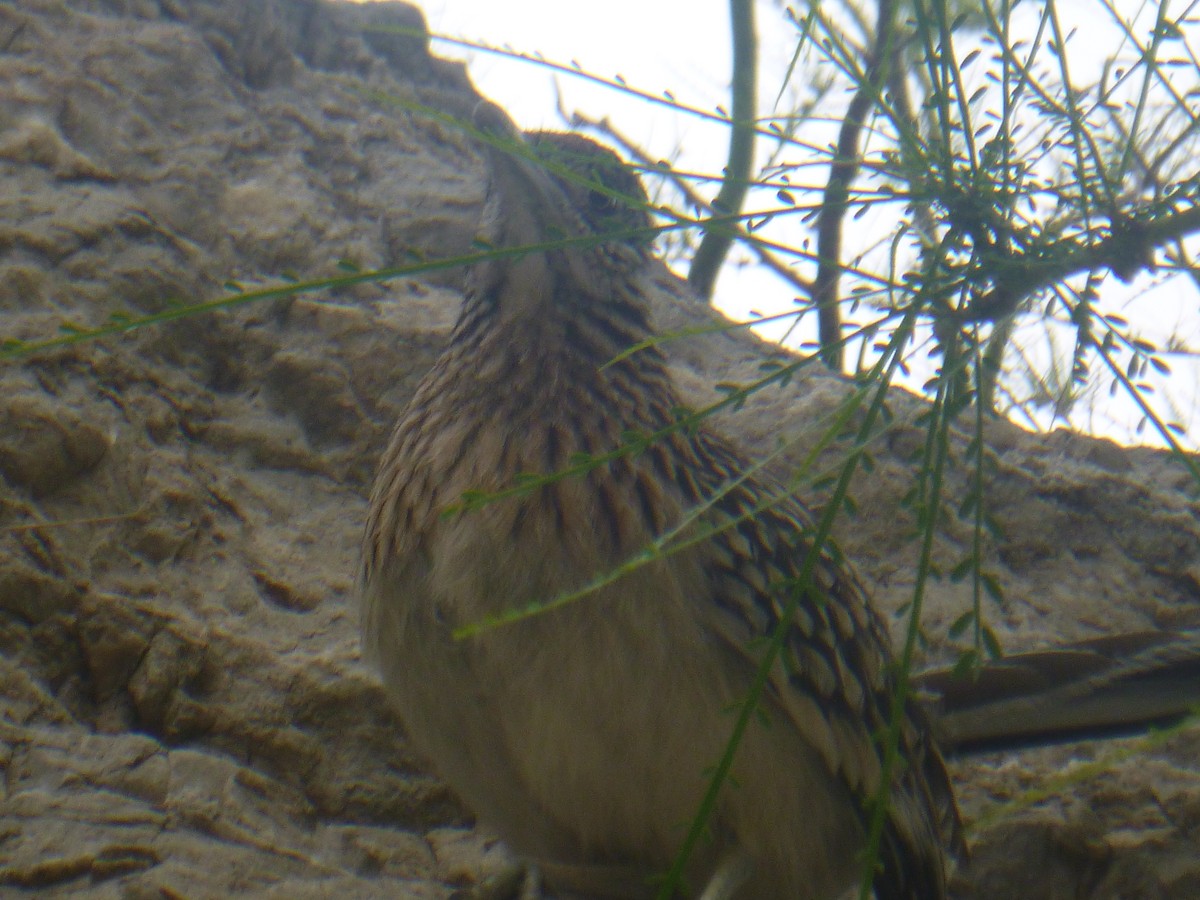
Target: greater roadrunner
(586, 735)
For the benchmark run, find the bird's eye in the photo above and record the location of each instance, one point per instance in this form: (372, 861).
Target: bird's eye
(598, 202)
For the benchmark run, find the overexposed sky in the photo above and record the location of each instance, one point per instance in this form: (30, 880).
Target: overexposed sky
(683, 47)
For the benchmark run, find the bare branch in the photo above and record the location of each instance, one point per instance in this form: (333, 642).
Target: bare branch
(842, 170)
(702, 275)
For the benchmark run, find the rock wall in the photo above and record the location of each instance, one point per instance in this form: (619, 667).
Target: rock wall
(182, 708)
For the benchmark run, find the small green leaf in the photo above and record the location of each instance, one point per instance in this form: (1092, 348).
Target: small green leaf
(960, 571)
(991, 643)
(966, 663)
(991, 586)
(961, 624)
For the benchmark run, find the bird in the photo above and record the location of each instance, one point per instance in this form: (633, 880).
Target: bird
(577, 690)
(1115, 685)
(585, 735)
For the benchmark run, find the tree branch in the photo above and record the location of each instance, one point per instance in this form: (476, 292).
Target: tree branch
(1128, 250)
(714, 247)
(842, 170)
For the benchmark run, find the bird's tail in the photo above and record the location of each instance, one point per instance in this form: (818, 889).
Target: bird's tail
(1107, 687)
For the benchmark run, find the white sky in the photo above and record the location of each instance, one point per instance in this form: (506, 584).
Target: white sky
(683, 47)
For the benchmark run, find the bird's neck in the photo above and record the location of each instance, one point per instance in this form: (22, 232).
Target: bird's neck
(535, 328)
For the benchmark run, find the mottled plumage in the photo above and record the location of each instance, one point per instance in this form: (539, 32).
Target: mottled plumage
(585, 736)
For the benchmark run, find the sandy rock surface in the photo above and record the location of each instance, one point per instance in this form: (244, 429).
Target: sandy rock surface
(183, 712)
